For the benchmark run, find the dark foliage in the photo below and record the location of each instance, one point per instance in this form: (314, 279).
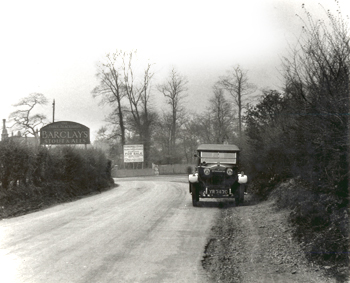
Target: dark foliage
(303, 134)
(321, 224)
(31, 178)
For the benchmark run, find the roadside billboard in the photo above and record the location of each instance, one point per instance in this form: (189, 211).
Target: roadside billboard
(65, 132)
(133, 153)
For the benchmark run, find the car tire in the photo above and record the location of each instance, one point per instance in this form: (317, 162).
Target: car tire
(235, 190)
(195, 195)
(237, 201)
(241, 193)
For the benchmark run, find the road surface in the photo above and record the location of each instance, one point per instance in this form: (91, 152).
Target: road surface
(145, 230)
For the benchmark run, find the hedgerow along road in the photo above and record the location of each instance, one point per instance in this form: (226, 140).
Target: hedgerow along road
(144, 230)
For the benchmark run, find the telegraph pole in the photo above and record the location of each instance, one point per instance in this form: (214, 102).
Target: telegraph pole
(53, 111)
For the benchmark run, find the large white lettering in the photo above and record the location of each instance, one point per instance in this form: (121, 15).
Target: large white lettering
(65, 134)
(65, 141)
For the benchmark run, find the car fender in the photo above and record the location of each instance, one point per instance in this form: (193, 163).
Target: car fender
(242, 179)
(193, 178)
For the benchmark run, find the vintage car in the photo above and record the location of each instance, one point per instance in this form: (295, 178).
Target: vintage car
(217, 174)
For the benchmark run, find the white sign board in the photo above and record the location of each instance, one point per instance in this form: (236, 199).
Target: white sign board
(133, 153)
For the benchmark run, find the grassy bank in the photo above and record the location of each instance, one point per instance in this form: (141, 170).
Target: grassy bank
(321, 224)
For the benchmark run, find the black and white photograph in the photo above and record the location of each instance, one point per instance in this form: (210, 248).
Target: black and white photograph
(174, 141)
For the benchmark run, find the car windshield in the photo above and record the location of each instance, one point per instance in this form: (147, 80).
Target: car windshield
(222, 157)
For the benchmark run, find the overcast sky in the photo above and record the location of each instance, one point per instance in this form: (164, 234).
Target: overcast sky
(52, 47)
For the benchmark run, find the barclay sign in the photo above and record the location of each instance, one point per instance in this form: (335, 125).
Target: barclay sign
(65, 133)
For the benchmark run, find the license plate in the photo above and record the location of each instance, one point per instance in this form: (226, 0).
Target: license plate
(218, 192)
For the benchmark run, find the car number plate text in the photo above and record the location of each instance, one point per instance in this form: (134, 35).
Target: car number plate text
(218, 192)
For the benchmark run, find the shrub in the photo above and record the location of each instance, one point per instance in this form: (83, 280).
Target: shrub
(321, 221)
(33, 177)
(15, 163)
(189, 170)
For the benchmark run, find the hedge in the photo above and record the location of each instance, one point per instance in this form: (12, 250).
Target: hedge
(31, 178)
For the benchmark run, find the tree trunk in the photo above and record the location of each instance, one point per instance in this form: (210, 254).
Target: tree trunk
(121, 123)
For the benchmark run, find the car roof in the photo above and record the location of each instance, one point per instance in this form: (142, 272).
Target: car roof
(218, 147)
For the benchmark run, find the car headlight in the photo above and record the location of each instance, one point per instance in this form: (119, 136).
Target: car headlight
(229, 172)
(206, 171)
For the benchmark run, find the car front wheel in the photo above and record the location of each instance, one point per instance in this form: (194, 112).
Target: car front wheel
(195, 195)
(239, 195)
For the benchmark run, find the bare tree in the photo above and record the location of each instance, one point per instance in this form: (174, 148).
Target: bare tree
(222, 116)
(102, 134)
(173, 90)
(138, 93)
(237, 85)
(23, 119)
(317, 78)
(162, 137)
(215, 125)
(128, 92)
(111, 88)
(190, 137)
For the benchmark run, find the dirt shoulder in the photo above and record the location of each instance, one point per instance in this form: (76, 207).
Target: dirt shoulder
(253, 243)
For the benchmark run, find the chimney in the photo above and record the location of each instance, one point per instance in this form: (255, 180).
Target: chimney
(4, 134)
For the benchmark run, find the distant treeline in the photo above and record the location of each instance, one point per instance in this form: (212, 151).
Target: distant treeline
(32, 177)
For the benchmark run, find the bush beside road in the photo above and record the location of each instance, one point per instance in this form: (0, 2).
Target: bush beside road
(34, 178)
